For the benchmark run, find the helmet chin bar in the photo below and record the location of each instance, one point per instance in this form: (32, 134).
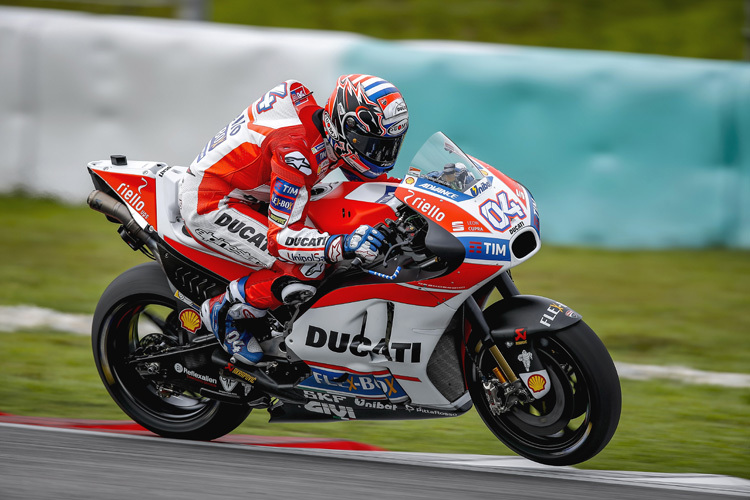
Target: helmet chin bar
(352, 163)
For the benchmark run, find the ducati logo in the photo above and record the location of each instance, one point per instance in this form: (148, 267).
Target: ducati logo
(401, 352)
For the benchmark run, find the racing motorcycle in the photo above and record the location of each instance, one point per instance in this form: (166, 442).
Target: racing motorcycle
(434, 326)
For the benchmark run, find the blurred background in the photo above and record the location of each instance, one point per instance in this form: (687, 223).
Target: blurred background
(628, 121)
(611, 104)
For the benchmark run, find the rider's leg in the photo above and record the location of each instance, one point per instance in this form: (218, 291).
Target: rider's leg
(239, 231)
(234, 305)
(250, 298)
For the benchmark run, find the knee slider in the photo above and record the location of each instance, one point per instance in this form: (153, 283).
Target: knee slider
(290, 290)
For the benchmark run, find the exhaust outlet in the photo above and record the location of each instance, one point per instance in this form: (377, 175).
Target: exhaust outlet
(115, 209)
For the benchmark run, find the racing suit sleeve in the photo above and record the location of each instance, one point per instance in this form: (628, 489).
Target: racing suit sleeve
(291, 181)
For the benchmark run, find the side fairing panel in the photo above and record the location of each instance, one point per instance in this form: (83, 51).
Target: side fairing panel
(377, 339)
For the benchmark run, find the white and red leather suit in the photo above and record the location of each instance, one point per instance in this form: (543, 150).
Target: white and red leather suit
(268, 157)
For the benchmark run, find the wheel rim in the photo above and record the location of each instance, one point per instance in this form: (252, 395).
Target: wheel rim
(556, 424)
(125, 328)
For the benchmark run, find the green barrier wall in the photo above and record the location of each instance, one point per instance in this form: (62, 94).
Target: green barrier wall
(619, 150)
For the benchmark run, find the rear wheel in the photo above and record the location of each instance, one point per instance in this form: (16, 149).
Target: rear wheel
(579, 415)
(137, 314)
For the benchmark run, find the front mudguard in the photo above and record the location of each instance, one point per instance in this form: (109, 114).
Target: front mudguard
(515, 324)
(519, 317)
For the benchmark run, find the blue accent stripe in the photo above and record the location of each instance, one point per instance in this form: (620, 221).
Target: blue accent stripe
(378, 95)
(375, 84)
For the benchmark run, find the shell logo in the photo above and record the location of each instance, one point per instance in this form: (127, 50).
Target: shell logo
(190, 320)
(537, 383)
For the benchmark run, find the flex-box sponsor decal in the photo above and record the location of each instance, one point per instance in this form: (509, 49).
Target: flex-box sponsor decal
(376, 385)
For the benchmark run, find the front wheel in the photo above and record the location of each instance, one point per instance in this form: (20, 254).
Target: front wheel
(579, 415)
(138, 314)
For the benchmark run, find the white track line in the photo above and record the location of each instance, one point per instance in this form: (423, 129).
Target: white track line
(18, 318)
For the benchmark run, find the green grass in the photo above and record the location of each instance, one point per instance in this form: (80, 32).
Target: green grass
(58, 256)
(688, 28)
(673, 307)
(665, 426)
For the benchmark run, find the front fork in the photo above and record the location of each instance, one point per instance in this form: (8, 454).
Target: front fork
(505, 389)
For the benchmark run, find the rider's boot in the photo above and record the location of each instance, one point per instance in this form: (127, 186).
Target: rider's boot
(229, 307)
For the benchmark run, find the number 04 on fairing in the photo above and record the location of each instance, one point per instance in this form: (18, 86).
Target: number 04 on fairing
(432, 327)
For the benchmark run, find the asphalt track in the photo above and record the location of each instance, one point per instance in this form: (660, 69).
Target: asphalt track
(51, 463)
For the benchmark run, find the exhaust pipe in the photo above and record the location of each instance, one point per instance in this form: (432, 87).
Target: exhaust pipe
(256, 376)
(115, 209)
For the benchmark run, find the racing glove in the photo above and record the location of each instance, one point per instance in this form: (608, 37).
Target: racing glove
(364, 243)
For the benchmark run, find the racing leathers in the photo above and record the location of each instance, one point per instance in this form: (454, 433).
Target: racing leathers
(245, 196)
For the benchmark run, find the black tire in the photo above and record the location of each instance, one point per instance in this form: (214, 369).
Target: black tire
(122, 312)
(577, 418)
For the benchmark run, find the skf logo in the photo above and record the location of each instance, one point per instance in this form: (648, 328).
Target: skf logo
(190, 320)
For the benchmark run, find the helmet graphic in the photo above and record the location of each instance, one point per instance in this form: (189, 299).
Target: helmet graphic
(365, 121)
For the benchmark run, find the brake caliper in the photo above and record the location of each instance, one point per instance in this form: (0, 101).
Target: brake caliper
(503, 396)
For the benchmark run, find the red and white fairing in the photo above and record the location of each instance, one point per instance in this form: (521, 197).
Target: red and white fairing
(383, 332)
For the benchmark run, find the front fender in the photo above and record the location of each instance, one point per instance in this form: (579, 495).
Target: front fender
(515, 318)
(514, 322)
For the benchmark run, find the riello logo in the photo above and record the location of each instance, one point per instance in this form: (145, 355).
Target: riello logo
(133, 197)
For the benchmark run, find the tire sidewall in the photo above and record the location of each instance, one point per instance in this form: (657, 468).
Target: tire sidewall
(148, 281)
(596, 365)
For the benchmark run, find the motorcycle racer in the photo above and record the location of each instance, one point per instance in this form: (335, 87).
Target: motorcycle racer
(245, 195)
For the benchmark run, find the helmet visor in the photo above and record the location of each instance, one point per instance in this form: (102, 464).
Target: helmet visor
(381, 151)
